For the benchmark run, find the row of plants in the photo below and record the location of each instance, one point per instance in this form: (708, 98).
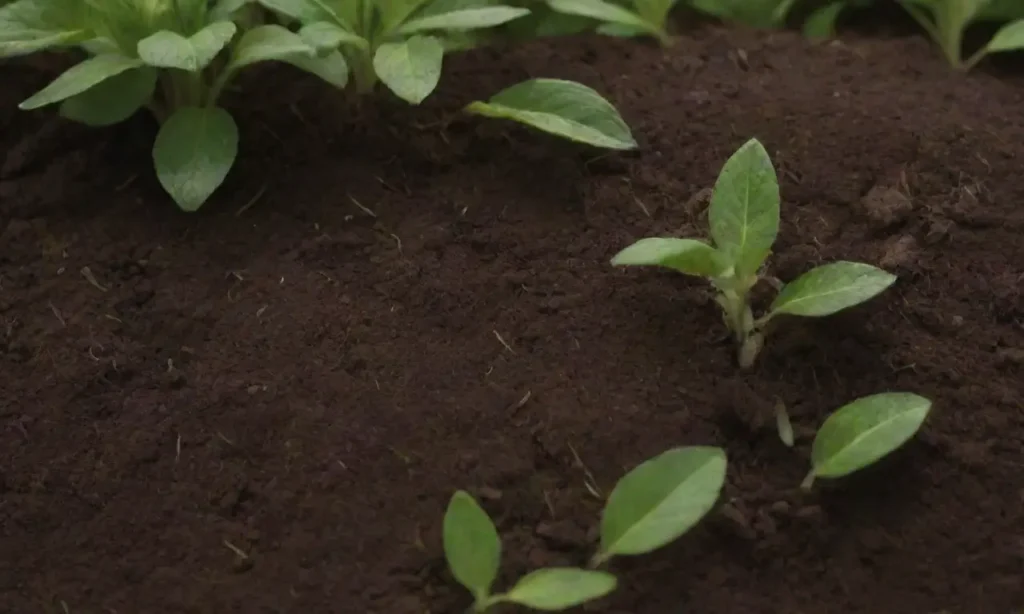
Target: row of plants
(664, 497)
(176, 58)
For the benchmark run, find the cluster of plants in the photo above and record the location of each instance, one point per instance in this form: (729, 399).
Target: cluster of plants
(664, 497)
(176, 58)
(659, 501)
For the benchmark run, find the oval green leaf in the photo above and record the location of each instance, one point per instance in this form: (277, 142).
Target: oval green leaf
(1009, 38)
(687, 256)
(860, 433)
(744, 210)
(166, 49)
(464, 19)
(660, 500)
(266, 43)
(605, 12)
(80, 78)
(113, 100)
(471, 545)
(332, 67)
(821, 24)
(194, 151)
(411, 68)
(829, 288)
(564, 108)
(560, 588)
(326, 36)
(28, 26)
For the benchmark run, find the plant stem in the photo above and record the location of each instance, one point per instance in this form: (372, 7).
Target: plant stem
(363, 72)
(808, 481)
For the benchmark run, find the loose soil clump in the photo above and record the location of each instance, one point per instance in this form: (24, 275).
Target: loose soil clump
(265, 407)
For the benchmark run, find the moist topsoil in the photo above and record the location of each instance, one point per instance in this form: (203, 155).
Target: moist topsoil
(265, 407)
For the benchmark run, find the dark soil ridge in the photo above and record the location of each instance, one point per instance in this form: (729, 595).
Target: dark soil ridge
(291, 377)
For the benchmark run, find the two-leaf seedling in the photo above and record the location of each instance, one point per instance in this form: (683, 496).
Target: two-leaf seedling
(652, 505)
(744, 222)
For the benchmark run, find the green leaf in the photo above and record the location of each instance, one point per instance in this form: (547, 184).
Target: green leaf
(821, 24)
(660, 500)
(654, 11)
(410, 68)
(466, 19)
(1009, 38)
(560, 588)
(602, 11)
(744, 211)
(564, 108)
(829, 288)
(80, 78)
(113, 100)
(471, 545)
(303, 11)
(166, 49)
(266, 43)
(327, 36)
(865, 430)
(193, 152)
(28, 26)
(225, 9)
(687, 256)
(332, 67)
(620, 31)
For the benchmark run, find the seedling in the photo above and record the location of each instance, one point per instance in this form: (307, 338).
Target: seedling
(945, 21)
(643, 18)
(744, 222)
(652, 505)
(173, 57)
(862, 432)
(402, 44)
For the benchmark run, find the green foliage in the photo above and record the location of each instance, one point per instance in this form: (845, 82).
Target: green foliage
(651, 506)
(862, 432)
(744, 222)
(173, 58)
(945, 21)
(625, 18)
(402, 44)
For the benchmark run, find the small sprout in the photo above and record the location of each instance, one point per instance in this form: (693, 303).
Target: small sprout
(782, 423)
(946, 22)
(643, 18)
(744, 222)
(652, 505)
(862, 432)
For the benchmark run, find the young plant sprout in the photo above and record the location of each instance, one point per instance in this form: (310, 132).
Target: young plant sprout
(946, 21)
(172, 57)
(862, 432)
(647, 17)
(652, 505)
(744, 221)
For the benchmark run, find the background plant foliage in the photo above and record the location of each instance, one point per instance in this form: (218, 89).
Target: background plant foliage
(176, 57)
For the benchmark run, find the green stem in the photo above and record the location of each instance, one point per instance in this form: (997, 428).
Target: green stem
(363, 73)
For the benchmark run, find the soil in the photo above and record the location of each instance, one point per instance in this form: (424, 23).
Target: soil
(264, 407)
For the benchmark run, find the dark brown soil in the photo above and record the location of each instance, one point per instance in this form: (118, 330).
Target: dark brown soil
(289, 376)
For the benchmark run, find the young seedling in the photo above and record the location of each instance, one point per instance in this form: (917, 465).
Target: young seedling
(173, 57)
(652, 505)
(744, 221)
(403, 44)
(945, 21)
(862, 432)
(647, 17)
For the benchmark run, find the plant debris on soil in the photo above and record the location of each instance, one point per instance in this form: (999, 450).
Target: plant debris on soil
(266, 406)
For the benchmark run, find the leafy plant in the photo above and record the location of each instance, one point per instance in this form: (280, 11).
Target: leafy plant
(945, 21)
(744, 222)
(862, 432)
(628, 19)
(402, 44)
(652, 505)
(173, 57)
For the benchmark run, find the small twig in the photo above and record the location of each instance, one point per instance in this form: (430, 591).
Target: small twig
(502, 341)
(89, 277)
(252, 201)
(58, 316)
(589, 482)
(362, 207)
(238, 551)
